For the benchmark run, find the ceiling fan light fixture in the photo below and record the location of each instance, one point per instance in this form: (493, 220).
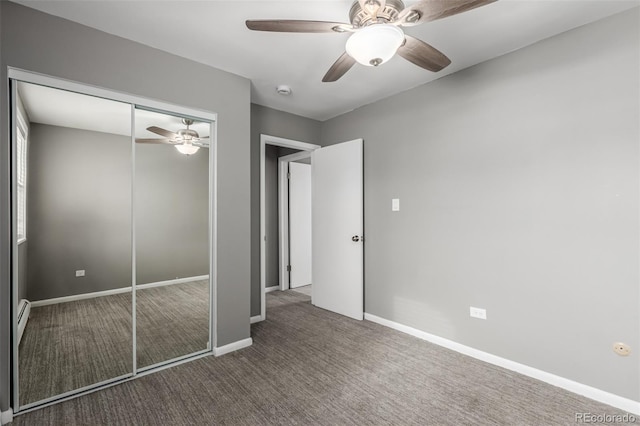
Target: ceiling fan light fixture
(187, 149)
(375, 44)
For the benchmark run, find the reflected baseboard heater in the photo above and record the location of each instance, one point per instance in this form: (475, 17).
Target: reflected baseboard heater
(24, 308)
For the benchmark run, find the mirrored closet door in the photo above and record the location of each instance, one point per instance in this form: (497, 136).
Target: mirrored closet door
(73, 167)
(171, 236)
(112, 240)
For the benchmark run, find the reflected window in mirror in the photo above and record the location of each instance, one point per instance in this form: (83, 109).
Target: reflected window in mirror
(22, 142)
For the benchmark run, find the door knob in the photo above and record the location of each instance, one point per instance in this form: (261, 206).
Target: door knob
(355, 238)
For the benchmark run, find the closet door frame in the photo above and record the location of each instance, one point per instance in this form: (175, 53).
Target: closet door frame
(15, 76)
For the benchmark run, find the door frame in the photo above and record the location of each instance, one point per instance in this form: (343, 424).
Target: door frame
(285, 143)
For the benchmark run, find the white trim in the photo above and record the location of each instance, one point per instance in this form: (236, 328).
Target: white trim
(581, 389)
(213, 235)
(232, 347)
(82, 296)
(6, 417)
(272, 288)
(296, 156)
(89, 89)
(24, 318)
(72, 393)
(21, 240)
(13, 90)
(256, 319)
(157, 365)
(174, 281)
(287, 143)
(134, 269)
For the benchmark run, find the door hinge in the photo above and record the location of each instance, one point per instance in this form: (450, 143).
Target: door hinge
(288, 268)
(288, 175)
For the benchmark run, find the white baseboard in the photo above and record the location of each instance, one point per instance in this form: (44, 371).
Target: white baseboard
(272, 288)
(599, 395)
(255, 319)
(6, 417)
(232, 347)
(24, 309)
(170, 282)
(75, 297)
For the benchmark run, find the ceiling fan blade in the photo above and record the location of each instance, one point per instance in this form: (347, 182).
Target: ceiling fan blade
(339, 68)
(430, 10)
(200, 144)
(423, 55)
(295, 26)
(372, 7)
(165, 141)
(162, 132)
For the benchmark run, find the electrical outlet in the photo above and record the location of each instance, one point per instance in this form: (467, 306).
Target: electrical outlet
(478, 312)
(80, 273)
(621, 349)
(395, 204)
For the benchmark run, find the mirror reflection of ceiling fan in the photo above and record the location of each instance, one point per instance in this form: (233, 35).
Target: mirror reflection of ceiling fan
(187, 141)
(376, 35)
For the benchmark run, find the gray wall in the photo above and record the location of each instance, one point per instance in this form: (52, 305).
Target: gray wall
(273, 123)
(43, 43)
(272, 255)
(518, 186)
(79, 214)
(172, 205)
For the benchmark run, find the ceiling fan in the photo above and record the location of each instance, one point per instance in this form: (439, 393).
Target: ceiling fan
(187, 141)
(376, 34)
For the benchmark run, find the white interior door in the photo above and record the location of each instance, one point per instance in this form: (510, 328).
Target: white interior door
(299, 224)
(337, 228)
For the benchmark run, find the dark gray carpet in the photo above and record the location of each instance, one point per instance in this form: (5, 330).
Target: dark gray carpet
(308, 366)
(172, 321)
(75, 344)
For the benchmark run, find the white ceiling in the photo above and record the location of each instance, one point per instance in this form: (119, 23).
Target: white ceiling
(56, 107)
(214, 33)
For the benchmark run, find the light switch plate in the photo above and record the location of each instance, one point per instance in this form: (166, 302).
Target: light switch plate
(80, 273)
(395, 205)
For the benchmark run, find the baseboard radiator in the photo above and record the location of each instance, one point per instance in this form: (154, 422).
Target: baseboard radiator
(24, 309)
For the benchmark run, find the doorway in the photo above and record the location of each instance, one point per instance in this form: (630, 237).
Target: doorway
(295, 210)
(337, 225)
(266, 142)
